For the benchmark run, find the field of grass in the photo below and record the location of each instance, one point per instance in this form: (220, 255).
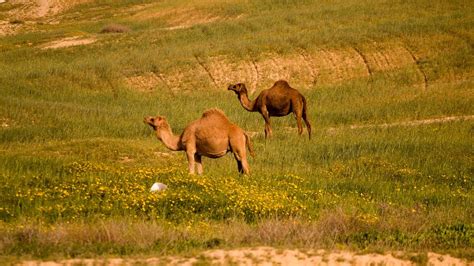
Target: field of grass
(77, 161)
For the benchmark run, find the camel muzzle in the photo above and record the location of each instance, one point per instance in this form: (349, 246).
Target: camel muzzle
(148, 120)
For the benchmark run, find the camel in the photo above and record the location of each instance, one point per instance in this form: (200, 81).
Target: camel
(279, 100)
(212, 135)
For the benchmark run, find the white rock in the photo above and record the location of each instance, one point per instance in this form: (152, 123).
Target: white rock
(158, 187)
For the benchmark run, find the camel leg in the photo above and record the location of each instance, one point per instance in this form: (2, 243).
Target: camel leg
(198, 158)
(245, 166)
(299, 122)
(242, 164)
(239, 166)
(238, 158)
(238, 147)
(190, 155)
(308, 125)
(298, 112)
(305, 117)
(268, 127)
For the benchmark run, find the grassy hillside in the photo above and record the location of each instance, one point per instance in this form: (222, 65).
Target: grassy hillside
(77, 161)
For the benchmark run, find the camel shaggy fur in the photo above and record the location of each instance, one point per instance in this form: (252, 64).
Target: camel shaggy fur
(212, 135)
(279, 100)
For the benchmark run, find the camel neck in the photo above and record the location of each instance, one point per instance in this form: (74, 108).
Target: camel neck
(171, 141)
(246, 103)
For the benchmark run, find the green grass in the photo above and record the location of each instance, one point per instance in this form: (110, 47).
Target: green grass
(77, 161)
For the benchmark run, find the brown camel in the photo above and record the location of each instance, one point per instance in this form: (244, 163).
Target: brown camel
(279, 100)
(212, 135)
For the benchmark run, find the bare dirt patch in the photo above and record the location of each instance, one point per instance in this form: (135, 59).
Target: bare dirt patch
(190, 18)
(339, 65)
(184, 79)
(179, 18)
(5, 122)
(126, 159)
(41, 8)
(293, 68)
(418, 122)
(387, 56)
(410, 123)
(226, 71)
(163, 154)
(303, 69)
(188, 79)
(29, 11)
(146, 82)
(68, 42)
(34, 9)
(266, 256)
(7, 28)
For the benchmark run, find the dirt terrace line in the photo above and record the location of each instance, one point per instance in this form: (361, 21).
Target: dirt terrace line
(207, 70)
(420, 70)
(313, 70)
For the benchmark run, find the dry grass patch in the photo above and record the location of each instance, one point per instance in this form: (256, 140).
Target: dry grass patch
(69, 41)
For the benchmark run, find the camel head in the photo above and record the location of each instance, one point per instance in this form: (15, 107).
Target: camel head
(238, 88)
(157, 122)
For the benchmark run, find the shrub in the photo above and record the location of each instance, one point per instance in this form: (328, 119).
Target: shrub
(16, 21)
(115, 28)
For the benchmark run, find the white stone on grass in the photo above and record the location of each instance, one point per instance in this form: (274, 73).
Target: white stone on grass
(158, 187)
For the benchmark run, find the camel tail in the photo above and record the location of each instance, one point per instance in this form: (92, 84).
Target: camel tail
(249, 144)
(305, 117)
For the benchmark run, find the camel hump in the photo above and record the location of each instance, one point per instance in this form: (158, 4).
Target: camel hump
(214, 112)
(282, 83)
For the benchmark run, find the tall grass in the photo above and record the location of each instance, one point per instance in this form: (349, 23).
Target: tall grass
(77, 161)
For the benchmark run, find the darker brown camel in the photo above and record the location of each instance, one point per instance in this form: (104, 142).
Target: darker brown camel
(213, 135)
(279, 100)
